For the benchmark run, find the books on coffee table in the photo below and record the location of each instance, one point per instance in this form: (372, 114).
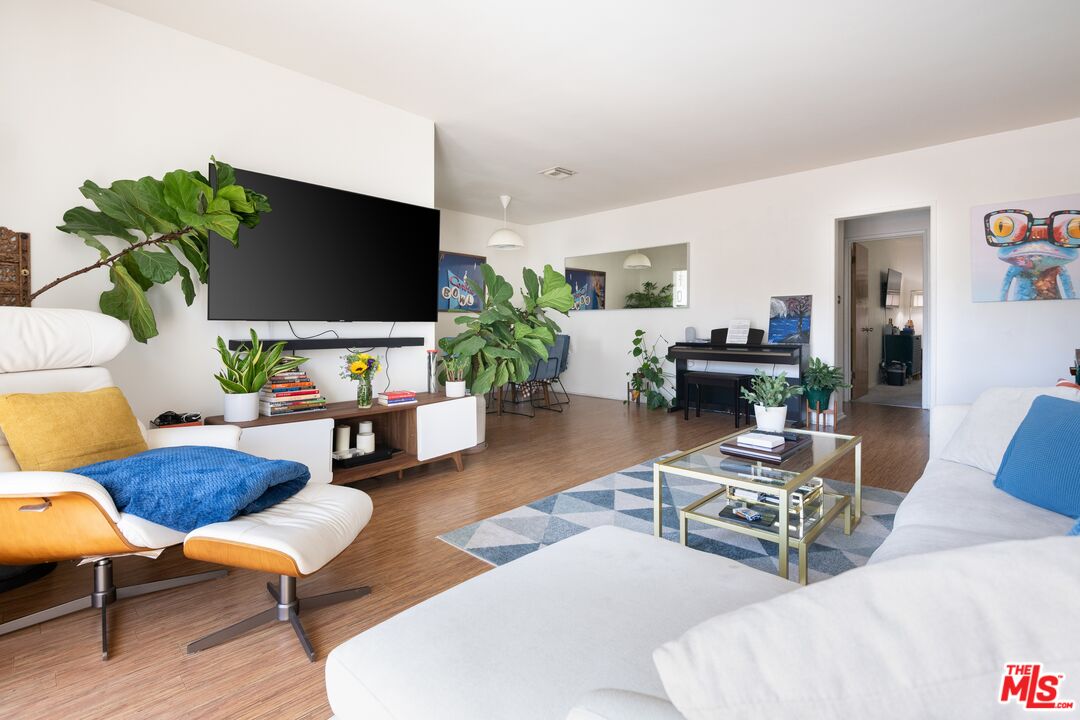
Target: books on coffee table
(768, 441)
(776, 454)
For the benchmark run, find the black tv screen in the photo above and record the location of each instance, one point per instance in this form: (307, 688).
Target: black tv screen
(326, 254)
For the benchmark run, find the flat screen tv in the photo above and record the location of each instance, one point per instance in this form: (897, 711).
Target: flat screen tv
(890, 289)
(326, 254)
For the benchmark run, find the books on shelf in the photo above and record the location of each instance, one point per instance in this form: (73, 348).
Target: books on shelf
(397, 397)
(291, 392)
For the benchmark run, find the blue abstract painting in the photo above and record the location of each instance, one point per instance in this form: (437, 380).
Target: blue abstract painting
(588, 287)
(455, 292)
(789, 319)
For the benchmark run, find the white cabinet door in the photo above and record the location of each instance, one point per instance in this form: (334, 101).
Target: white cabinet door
(309, 442)
(445, 427)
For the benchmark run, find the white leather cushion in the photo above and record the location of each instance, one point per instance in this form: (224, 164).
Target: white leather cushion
(54, 338)
(311, 527)
(989, 426)
(144, 533)
(526, 640)
(922, 636)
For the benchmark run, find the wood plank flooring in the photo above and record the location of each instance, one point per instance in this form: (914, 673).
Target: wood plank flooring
(54, 670)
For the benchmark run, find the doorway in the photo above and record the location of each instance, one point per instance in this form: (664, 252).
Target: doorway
(883, 307)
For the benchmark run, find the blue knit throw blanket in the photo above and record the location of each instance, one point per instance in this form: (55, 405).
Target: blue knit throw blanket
(187, 487)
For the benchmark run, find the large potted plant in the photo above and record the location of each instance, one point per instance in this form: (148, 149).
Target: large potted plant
(820, 381)
(244, 372)
(648, 377)
(769, 395)
(501, 344)
(164, 231)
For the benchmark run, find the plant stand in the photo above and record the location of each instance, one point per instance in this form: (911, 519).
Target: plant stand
(821, 421)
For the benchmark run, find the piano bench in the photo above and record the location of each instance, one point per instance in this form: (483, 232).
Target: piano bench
(735, 382)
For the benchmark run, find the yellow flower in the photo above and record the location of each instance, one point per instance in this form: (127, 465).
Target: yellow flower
(358, 368)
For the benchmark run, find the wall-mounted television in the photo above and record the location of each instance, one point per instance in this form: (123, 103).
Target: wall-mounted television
(890, 288)
(326, 254)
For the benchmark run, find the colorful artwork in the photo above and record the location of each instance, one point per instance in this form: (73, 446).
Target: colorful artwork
(1024, 250)
(789, 319)
(455, 293)
(588, 287)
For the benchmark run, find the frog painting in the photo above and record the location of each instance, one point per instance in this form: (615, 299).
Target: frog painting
(1025, 250)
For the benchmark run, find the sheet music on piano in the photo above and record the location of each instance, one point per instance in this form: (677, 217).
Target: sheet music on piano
(739, 332)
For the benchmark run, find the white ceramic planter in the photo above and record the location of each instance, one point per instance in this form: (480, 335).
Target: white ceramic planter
(455, 388)
(770, 419)
(241, 407)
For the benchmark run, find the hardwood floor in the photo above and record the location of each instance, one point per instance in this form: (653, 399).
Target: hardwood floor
(54, 671)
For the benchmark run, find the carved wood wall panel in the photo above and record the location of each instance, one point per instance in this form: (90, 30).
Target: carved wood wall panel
(14, 268)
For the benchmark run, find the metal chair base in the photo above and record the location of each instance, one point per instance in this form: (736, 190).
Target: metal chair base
(287, 609)
(104, 594)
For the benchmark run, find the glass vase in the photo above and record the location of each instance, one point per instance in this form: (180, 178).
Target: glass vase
(363, 393)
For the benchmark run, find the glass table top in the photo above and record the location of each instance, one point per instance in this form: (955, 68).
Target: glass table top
(712, 460)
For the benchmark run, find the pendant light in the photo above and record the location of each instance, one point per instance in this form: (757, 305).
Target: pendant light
(504, 238)
(637, 261)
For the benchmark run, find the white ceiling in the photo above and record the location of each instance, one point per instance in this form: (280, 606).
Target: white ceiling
(655, 98)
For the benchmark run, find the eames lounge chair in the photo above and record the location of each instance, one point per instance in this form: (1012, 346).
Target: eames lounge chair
(49, 516)
(52, 516)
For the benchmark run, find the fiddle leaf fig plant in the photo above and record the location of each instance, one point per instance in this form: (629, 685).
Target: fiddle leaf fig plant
(163, 227)
(500, 345)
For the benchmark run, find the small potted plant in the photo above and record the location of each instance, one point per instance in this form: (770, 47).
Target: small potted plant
(769, 394)
(362, 368)
(648, 377)
(245, 371)
(819, 383)
(455, 367)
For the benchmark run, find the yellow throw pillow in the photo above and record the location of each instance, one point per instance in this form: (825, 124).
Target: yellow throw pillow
(65, 430)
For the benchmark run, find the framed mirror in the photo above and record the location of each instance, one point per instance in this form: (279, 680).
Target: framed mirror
(647, 277)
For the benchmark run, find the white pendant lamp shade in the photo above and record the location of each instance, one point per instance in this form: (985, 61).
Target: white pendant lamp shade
(504, 238)
(637, 261)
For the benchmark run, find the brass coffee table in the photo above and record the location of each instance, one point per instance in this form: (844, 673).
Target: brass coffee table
(795, 484)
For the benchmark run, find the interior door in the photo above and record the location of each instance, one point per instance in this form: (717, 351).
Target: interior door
(860, 316)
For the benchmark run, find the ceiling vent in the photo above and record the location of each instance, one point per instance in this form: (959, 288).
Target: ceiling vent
(559, 173)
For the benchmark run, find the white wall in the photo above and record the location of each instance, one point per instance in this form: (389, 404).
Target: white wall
(778, 237)
(904, 255)
(92, 92)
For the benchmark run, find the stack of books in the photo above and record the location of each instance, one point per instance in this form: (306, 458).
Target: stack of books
(290, 392)
(397, 397)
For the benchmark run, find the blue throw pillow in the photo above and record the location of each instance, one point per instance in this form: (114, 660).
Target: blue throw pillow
(1042, 463)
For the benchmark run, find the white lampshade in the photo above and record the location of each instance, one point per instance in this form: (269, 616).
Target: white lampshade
(505, 239)
(637, 261)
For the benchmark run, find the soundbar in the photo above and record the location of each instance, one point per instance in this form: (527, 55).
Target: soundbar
(336, 343)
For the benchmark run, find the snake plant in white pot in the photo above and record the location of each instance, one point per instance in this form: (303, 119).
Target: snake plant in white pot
(245, 371)
(769, 394)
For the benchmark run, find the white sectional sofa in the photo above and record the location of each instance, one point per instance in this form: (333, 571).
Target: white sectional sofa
(571, 631)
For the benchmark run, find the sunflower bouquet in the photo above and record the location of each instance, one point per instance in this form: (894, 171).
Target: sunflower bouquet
(361, 367)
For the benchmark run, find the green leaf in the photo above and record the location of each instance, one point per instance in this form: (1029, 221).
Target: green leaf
(116, 206)
(483, 381)
(81, 219)
(224, 173)
(556, 291)
(230, 386)
(532, 284)
(134, 303)
(224, 224)
(181, 192)
(147, 196)
(93, 242)
(535, 345)
(158, 267)
(236, 199)
(502, 375)
(129, 264)
(194, 250)
(186, 285)
(469, 347)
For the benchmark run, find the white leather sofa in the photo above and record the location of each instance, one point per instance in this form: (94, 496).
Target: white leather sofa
(573, 631)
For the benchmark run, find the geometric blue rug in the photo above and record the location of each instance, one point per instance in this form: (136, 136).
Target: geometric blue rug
(625, 499)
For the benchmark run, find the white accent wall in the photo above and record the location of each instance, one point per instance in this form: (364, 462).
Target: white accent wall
(778, 237)
(93, 92)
